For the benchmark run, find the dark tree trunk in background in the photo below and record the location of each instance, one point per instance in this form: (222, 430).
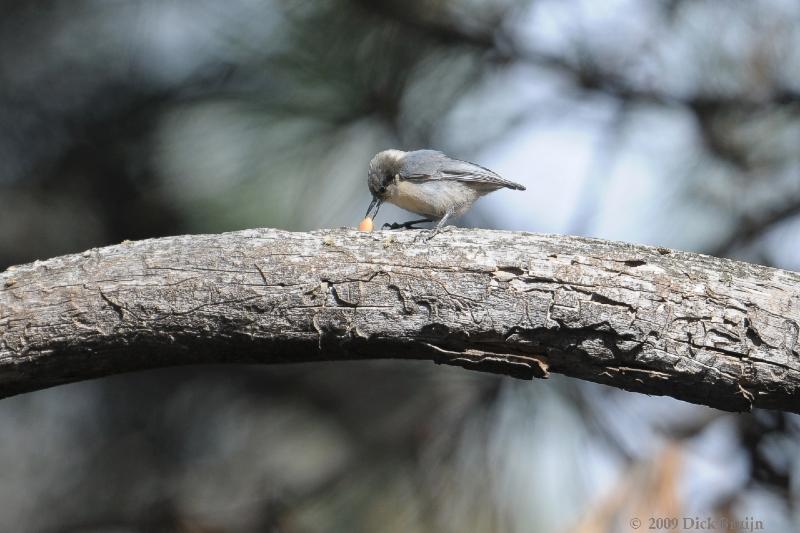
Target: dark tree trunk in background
(704, 330)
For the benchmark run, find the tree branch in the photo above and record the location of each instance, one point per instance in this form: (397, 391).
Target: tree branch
(704, 330)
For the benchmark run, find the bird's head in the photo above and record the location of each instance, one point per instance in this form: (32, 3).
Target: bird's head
(384, 173)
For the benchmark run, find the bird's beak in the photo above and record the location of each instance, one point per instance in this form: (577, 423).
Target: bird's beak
(374, 204)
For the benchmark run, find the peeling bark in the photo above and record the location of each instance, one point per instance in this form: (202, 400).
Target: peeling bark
(701, 329)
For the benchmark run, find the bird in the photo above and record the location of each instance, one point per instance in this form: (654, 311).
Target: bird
(428, 183)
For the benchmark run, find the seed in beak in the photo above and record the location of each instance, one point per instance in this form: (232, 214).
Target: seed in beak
(365, 225)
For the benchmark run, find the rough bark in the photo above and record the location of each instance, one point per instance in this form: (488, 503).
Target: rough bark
(701, 329)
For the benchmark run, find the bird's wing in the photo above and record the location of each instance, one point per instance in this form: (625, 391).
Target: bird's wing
(423, 165)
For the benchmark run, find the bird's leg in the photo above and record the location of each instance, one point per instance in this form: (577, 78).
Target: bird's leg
(405, 225)
(439, 227)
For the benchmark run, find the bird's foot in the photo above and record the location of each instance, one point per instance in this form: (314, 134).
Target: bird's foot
(428, 234)
(395, 225)
(404, 225)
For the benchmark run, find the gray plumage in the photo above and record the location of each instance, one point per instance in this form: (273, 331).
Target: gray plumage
(429, 183)
(422, 165)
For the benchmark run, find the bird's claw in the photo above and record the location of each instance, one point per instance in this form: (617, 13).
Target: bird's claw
(393, 225)
(402, 225)
(428, 234)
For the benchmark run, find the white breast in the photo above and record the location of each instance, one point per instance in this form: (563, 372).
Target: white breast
(433, 198)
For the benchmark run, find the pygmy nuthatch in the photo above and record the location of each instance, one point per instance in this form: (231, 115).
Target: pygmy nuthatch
(430, 184)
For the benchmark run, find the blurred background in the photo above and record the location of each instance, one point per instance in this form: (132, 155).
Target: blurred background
(669, 122)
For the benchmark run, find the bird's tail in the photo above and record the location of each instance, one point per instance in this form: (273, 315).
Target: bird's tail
(513, 185)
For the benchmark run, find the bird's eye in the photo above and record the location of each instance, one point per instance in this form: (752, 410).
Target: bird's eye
(382, 189)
